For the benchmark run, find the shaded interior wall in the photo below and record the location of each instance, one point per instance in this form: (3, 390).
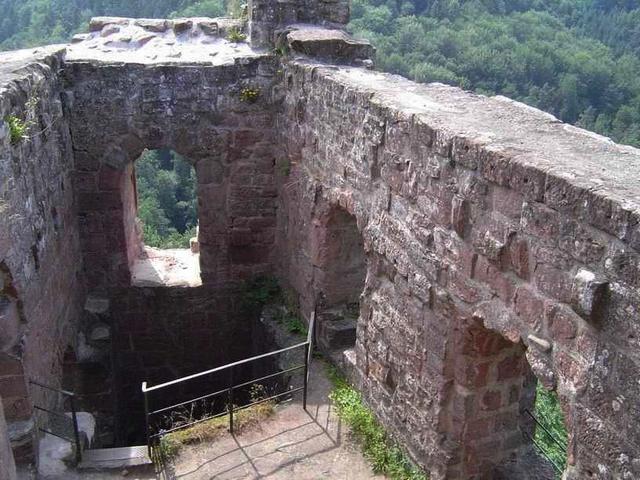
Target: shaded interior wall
(459, 230)
(41, 286)
(340, 260)
(161, 334)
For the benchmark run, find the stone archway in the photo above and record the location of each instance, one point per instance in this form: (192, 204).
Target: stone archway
(340, 268)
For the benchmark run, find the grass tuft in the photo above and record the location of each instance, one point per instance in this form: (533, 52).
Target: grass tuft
(236, 36)
(210, 430)
(386, 456)
(548, 410)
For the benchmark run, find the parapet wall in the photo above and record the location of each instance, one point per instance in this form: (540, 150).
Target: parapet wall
(500, 243)
(41, 282)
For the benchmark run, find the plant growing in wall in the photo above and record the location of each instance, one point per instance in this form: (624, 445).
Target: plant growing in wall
(236, 36)
(18, 128)
(249, 94)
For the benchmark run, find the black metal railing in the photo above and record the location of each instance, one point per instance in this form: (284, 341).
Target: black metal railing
(546, 432)
(59, 423)
(154, 435)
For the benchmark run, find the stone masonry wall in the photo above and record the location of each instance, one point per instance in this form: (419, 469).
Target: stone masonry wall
(499, 241)
(117, 111)
(41, 284)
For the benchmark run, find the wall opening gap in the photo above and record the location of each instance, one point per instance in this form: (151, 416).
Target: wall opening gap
(342, 272)
(164, 198)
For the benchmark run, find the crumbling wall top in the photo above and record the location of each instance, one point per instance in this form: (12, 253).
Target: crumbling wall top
(202, 41)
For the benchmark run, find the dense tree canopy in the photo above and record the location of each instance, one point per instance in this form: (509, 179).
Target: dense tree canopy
(167, 199)
(577, 59)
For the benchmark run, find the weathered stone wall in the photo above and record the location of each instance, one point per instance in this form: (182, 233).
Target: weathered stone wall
(41, 285)
(117, 111)
(498, 241)
(266, 17)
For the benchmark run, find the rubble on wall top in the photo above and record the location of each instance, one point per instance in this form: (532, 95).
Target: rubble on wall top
(200, 40)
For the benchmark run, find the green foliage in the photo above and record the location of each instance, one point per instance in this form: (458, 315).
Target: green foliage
(209, 430)
(566, 57)
(260, 291)
(386, 457)
(18, 129)
(249, 94)
(167, 199)
(235, 35)
(547, 408)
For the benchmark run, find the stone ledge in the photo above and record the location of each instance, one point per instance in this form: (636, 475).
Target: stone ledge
(332, 45)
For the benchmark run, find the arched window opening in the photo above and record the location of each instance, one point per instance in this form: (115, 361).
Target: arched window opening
(164, 199)
(340, 277)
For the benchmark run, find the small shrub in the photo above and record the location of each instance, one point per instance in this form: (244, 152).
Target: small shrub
(235, 35)
(292, 323)
(260, 291)
(18, 129)
(386, 457)
(249, 94)
(281, 51)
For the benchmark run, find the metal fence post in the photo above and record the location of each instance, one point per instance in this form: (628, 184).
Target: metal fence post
(76, 431)
(306, 376)
(231, 400)
(146, 417)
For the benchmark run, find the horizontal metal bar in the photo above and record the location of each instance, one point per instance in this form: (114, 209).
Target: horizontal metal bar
(220, 369)
(543, 451)
(204, 397)
(57, 414)
(56, 435)
(187, 425)
(267, 377)
(64, 392)
(557, 441)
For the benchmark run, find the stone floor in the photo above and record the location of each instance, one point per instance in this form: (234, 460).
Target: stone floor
(166, 268)
(293, 445)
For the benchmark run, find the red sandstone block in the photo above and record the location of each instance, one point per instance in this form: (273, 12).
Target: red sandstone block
(554, 282)
(499, 282)
(507, 202)
(109, 178)
(540, 221)
(562, 322)
(510, 367)
(518, 256)
(478, 429)
(84, 181)
(492, 400)
(530, 307)
(13, 386)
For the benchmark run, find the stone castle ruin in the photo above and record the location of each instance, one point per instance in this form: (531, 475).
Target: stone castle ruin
(484, 245)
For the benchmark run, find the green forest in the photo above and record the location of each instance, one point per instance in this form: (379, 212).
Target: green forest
(167, 199)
